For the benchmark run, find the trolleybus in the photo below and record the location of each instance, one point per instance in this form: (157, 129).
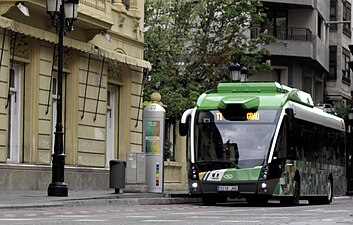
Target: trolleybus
(260, 141)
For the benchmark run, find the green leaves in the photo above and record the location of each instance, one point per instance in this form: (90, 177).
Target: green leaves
(190, 45)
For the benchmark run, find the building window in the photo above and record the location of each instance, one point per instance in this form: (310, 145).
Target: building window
(276, 24)
(347, 17)
(345, 68)
(333, 14)
(333, 63)
(13, 107)
(319, 26)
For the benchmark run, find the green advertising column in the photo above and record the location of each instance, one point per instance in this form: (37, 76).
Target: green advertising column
(153, 141)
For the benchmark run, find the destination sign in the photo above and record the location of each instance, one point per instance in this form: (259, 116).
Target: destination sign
(249, 116)
(253, 116)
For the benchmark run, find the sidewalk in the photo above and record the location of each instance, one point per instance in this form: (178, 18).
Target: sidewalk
(34, 199)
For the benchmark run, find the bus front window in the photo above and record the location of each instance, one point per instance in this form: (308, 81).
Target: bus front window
(233, 143)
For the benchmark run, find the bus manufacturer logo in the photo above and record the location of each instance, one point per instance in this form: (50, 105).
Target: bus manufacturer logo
(216, 175)
(228, 176)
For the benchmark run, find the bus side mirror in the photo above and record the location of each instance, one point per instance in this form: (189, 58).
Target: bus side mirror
(183, 128)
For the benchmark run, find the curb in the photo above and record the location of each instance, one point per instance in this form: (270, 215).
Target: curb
(133, 201)
(105, 202)
(31, 205)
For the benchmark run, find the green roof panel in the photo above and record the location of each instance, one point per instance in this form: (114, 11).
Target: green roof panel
(263, 95)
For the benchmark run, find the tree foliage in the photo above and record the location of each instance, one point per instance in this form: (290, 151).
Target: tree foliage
(190, 45)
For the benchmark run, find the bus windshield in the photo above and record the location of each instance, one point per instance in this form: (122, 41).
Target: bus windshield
(240, 139)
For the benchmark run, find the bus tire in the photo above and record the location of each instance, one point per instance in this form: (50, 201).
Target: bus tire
(292, 200)
(296, 192)
(328, 198)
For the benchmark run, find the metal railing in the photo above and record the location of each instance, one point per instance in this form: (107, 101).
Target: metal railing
(283, 33)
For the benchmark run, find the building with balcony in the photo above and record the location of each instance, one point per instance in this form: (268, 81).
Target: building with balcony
(102, 85)
(338, 84)
(300, 58)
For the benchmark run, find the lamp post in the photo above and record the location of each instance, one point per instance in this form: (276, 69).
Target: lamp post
(62, 13)
(238, 72)
(350, 152)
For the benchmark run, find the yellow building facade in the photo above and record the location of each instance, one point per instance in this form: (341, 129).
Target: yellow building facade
(102, 87)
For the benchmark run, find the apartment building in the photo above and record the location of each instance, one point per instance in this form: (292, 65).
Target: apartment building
(339, 84)
(103, 74)
(312, 51)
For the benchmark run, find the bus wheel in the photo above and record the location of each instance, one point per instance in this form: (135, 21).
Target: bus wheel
(325, 199)
(296, 192)
(329, 196)
(292, 200)
(209, 200)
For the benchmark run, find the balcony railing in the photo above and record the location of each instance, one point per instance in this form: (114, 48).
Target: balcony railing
(95, 4)
(284, 33)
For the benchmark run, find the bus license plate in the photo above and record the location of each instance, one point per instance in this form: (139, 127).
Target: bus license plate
(227, 188)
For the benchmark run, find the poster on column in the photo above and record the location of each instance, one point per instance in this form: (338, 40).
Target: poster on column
(152, 137)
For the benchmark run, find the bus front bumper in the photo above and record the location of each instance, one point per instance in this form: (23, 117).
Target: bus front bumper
(233, 189)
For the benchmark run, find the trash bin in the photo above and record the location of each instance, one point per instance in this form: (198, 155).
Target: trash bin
(117, 174)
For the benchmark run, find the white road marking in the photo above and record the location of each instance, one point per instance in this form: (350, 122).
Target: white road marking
(70, 216)
(141, 216)
(327, 211)
(205, 217)
(161, 221)
(240, 221)
(206, 212)
(15, 219)
(327, 220)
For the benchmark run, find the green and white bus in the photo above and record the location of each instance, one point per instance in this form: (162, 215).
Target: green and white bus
(262, 141)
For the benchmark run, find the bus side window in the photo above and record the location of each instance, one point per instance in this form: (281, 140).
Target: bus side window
(342, 149)
(307, 141)
(281, 144)
(291, 148)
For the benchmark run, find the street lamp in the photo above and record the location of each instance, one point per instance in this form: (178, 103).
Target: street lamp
(24, 10)
(235, 71)
(238, 72)
(350, 114)
(63, 13)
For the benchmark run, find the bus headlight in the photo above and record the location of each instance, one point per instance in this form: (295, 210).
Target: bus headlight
(194, 187)
(194, 173)
(264, 172)
(264, 187)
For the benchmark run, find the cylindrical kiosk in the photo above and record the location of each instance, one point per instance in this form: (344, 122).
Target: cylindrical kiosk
(153, 141)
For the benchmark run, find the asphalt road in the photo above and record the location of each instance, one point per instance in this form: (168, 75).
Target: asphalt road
(340, 212)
